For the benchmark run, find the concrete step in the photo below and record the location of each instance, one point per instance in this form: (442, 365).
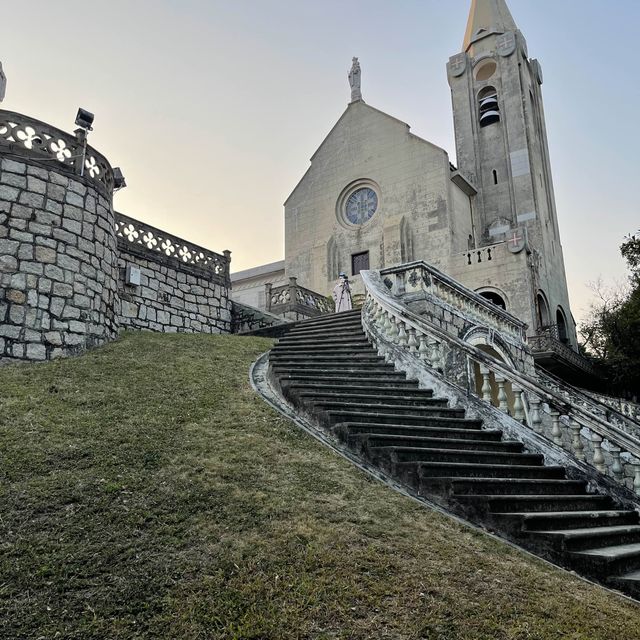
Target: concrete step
(373, 441)
(328, 347)
(528, 503)
(323, 338)
(628, 583)
(504, 486)
(394, 397)
(608, 562)
(330, 359)
(384, 414)
(414, 454)
(355, 386)
(347, 331)
(591, 537)
(349, 429)
(329, 321)
(382, 372)
(554, 520)
(473, 470)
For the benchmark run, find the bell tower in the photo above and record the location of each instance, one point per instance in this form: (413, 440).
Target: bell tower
(501, 146)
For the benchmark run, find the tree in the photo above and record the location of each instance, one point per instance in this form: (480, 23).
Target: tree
(611, 333)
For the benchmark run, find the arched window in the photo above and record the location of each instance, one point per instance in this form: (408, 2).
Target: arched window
(561, 321)
(488, 107)
(544, 318)
(494, 298)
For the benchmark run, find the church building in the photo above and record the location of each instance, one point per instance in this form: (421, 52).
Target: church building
(376, 195)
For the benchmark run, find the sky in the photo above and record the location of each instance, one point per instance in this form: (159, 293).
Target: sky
(212, 108)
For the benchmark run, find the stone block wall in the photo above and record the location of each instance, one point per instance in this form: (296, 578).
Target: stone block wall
(182, 287)
(57, 261)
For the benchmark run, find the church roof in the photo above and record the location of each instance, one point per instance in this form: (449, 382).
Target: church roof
(486, 17)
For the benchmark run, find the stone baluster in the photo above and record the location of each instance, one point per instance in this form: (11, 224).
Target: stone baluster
(598, 457)
(402, 334)
(434, 353)
(388, 325)
(412, 342)
(576, 439)
(616, 467)
(536, 417)
(267, 295)
(636, 475)
(502, 394)
(399, 287)
(518, 405)
(393, 332)
(556, 434)
(486, 383)
(423, 349)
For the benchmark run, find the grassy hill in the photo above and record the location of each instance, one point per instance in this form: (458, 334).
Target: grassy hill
(146, 492)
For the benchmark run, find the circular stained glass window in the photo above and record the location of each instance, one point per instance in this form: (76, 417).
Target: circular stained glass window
(361, 205)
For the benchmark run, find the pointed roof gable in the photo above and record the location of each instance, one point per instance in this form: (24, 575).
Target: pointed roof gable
(486, 17)
(360, 105)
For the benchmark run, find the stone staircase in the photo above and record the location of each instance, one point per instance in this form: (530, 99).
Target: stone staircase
(328, 370)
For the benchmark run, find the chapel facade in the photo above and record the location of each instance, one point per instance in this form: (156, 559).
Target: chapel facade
(376, 195)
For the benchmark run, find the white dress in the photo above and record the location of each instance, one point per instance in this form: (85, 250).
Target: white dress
(342, 297)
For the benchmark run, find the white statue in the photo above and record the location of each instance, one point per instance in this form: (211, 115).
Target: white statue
(354, 80)
(3, 83)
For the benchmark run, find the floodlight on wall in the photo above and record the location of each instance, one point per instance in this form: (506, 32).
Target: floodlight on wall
(84, 119)
(118, 179)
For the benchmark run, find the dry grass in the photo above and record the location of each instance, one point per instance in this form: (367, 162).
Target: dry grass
(146, 492)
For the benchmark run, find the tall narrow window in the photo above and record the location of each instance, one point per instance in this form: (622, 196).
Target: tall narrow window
(495, 177)
(359, 262)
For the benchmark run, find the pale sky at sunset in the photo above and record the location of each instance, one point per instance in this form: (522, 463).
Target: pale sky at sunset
(213, 107)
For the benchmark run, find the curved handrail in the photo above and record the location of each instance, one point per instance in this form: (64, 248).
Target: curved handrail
(378, 295)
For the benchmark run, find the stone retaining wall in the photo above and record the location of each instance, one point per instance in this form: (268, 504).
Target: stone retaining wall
(171, 298)
(57, 262)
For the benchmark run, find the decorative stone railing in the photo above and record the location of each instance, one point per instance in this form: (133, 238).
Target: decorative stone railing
(548, 342)
(23, 136)
(293, 300)
(594, 442)
(627, 408)
(422, 278)
(149, 242)
(245, 318)
(587, 401)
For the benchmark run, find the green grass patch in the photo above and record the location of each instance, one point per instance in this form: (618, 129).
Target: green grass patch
(147, 492)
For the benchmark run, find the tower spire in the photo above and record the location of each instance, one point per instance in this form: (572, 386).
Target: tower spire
(487, 17)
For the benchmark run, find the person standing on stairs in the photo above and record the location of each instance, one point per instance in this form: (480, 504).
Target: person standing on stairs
(342, 294)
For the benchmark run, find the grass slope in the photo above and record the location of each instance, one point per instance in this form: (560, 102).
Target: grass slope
(146, 492)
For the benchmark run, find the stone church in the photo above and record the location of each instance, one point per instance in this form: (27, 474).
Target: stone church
(376, 195)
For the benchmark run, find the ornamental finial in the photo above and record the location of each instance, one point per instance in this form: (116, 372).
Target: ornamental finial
(3, 83)
(354, 80)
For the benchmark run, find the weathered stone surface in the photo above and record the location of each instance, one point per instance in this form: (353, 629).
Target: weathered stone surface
(8, 264)
(13, 166)
(9, 193)
(15, 296)
(46, 255)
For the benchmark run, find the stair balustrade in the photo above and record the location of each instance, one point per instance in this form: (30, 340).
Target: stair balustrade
(572, 423)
